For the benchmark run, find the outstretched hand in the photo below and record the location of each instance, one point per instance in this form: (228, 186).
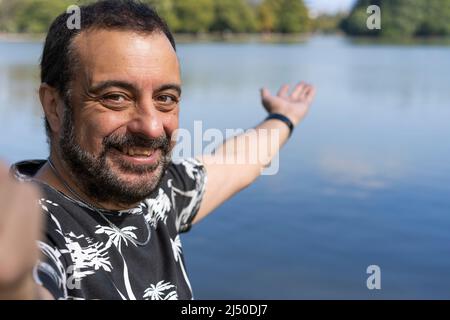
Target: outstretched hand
(295, 105)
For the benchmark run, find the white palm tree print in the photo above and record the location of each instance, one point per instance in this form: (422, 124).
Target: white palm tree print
(59, 275)
(191, 167)
(159, 291)
(116, 236)
(86, 259)
(158, 208)
(195, 195)
(177, 252)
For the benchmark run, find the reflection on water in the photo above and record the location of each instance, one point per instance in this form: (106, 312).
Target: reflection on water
(364, 180)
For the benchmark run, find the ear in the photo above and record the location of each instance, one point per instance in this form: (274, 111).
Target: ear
(53, 106)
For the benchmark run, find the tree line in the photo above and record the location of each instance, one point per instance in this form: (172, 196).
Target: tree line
(183, 16)
(401, 18)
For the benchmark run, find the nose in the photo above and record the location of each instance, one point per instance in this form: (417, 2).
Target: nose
(147, 120)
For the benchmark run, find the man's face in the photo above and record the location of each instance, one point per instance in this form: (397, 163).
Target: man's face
(124, 104)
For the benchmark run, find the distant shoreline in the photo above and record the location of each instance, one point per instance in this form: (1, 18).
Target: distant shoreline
(259, 38)
(402, 41)
(242, 37)
(188, 38)
(21, 37)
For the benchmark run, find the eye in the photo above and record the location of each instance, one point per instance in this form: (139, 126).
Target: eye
(167, 100)
(115, 97)
(116, 100)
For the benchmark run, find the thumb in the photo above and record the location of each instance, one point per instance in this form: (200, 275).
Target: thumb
(265, 94)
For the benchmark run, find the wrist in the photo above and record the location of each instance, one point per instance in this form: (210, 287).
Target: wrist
(281, 117)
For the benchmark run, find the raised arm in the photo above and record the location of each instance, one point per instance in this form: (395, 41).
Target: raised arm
(240, 160)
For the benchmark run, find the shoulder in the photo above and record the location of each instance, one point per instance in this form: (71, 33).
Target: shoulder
(186, 171)
(180, 191)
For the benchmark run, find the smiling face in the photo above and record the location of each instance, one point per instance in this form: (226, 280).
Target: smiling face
(124, 107)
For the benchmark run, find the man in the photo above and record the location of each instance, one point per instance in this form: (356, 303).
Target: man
(113, 201)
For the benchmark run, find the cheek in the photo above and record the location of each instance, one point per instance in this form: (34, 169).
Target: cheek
(171, 123)
(94, 129)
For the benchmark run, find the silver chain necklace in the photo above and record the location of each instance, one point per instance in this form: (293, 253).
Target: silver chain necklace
(112, 225)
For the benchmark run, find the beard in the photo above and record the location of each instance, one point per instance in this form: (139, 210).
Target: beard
(95, 175)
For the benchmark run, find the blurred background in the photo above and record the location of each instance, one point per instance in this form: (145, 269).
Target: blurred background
(365, 179)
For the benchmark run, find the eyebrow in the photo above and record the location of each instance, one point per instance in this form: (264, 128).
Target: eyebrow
(170, 86)
(112, 83)
(130, 87)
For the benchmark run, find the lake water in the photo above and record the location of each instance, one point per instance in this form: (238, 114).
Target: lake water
(365, 180)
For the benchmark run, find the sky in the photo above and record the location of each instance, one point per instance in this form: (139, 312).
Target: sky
(329, 6)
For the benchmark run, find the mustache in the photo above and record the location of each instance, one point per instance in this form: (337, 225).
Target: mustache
(134, 140)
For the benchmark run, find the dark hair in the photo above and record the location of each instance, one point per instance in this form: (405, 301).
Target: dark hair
(58, 58)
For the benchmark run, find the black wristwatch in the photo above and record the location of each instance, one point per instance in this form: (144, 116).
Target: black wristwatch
(285, 119)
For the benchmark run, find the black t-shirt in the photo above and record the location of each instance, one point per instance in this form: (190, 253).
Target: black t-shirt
(84, 257)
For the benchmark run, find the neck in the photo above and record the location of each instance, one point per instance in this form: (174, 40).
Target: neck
(62, 181)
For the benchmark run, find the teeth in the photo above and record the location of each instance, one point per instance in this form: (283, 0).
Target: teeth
(137, 151)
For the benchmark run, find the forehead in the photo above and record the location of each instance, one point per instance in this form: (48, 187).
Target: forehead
(121, 55)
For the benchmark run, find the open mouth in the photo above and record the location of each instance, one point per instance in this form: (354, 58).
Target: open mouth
(137, 152)
(139, 156)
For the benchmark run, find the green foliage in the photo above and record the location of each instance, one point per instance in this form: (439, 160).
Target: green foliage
(285, 16)
(267, 19)
(166, 8)
(436, 19)
(234, 16)
(185, 16)
(401, 18)
(292, 17)
(33, 16)
(327, 23)
(194, 15)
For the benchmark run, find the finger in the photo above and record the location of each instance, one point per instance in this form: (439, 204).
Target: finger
(283, 92)
(266, 98)
(265, 93)
(311, 93)
(304, 92)
(299, 88)
(302, 95)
